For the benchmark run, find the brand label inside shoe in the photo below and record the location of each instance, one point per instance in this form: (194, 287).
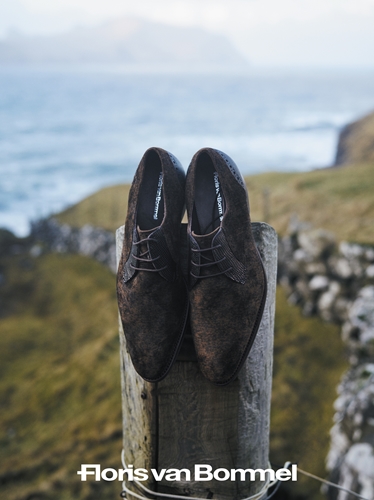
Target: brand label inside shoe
(218, 195)
(158, 196)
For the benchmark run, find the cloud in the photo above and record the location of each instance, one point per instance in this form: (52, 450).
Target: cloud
(329, 34)
(200, 12)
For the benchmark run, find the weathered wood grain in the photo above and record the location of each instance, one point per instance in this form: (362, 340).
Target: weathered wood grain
(139, 406)
(185, 420)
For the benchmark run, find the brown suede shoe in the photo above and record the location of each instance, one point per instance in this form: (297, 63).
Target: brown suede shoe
(152, 294)
(227, 280)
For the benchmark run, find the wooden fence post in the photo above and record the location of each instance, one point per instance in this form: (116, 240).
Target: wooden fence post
(185, 420)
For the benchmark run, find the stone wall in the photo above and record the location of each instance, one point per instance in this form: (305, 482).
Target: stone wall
(50, 235)
(336, 282)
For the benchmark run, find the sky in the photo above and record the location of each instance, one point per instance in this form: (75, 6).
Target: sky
(290, 33)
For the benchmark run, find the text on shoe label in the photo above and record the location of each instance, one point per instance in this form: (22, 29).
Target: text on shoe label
(158, 196)
(218, 195)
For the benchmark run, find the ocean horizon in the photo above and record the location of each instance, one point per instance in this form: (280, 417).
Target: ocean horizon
(66, 132)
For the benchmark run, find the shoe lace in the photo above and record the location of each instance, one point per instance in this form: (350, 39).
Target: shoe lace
(209, 262)
(145, 256)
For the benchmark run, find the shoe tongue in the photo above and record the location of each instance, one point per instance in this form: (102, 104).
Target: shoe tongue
(144, 233)
(143, 248)
(205, 240)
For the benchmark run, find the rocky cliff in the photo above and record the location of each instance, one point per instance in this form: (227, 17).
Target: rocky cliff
(356, 142)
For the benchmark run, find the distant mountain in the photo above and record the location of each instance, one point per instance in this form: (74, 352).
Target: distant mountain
(124, 41)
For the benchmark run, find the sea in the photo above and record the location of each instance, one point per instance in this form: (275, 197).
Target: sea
(66, 132)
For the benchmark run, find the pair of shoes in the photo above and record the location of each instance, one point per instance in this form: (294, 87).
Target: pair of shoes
(226, 286)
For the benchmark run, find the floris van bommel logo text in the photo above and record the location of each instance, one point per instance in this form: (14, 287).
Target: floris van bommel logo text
(158, 196)
(201, 472)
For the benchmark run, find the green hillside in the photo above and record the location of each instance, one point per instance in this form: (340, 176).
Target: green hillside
(60, 381)
(338, 199)
(59, 384)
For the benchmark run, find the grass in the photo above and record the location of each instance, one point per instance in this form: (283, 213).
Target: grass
(60, 381)
(308, 363)
(337, 199)
(59, 385)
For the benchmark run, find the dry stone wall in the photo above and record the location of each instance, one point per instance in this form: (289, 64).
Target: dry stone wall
(50, 235)
(336, 282)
